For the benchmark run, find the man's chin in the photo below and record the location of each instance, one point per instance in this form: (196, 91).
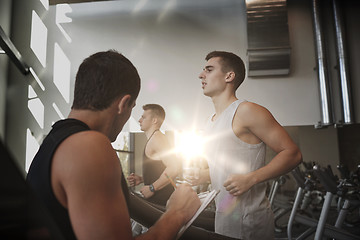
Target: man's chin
(206, 94)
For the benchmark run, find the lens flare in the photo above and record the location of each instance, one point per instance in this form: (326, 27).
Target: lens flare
(189, 144)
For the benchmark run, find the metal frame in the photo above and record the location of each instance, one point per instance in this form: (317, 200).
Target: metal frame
(15, 56)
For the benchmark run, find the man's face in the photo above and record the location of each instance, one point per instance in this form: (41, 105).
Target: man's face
(213, 79)
(146, 120)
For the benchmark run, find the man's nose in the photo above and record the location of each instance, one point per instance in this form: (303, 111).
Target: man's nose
(201, 75)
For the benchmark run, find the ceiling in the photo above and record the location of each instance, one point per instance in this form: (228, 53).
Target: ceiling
(54, 2)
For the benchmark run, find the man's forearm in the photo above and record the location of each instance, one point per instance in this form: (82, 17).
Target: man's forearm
(281, 164)
(166, 227)
(162, 181)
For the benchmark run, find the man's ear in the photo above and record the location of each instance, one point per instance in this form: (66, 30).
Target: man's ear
(154, 120)
(124, 103)
(230, 76)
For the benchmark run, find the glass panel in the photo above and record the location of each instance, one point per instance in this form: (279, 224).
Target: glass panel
(62, 72)
(61, 11)
(37, 78)
(57, 110)
(45, 3)
(38, 42)
(125, 162)
(125, 153)
(31, 93)
(36, 107)
(32, 147)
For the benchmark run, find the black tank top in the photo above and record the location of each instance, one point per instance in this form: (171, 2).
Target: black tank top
(152, 169)
(39, 175)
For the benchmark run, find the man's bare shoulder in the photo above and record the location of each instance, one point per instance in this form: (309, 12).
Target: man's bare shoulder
(89, 146)
(250, 111)
(80, 161)
(249, 107)
(158, 138)
(157, 145)
(86, 139)
(90, 137)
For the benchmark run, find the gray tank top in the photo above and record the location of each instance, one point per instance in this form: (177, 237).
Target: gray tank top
(227, 154)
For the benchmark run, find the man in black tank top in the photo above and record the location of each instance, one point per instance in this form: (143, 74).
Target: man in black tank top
(76, 172)
(156, 159)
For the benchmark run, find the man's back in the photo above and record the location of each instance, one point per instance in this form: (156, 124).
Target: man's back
(39, 176)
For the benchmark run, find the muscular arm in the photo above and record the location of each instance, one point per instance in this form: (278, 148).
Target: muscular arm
(160, 149)
(256, 123)
(134, 179)
(86, 177)
(87, 181)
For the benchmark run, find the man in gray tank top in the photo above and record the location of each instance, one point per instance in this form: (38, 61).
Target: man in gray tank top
(236, 138)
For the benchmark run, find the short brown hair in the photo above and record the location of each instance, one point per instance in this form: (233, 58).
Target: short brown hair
(157, 110)
(230, 62)
(102, 78)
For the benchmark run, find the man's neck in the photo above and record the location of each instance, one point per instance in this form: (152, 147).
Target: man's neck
(150, 131)
(222, 102)
(96, 120)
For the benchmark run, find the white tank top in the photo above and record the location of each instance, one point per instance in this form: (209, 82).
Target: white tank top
(227, 154)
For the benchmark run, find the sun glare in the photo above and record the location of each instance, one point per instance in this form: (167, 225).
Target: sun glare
(189, 144)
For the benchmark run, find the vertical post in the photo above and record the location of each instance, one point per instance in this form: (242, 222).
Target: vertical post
(323, 216)
(298, 198)
(324, 86)
(343, 65)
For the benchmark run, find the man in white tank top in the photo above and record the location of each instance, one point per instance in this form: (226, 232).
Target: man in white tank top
(236, 139)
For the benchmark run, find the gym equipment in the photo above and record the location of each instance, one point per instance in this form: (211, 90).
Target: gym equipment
(311, 200)
(147, 214)
(320, 227)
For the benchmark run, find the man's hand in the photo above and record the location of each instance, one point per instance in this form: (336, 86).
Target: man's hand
(185, 201)
(237, 184)
(203, 178)
(134, 180)
(145, 190)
